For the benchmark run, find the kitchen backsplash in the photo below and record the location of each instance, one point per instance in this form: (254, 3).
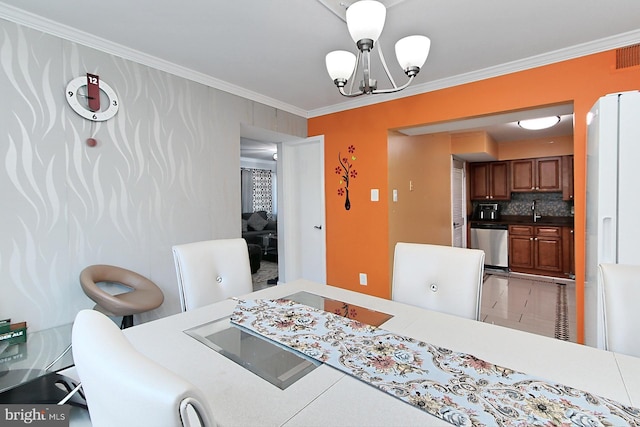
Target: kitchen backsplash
(547, 204)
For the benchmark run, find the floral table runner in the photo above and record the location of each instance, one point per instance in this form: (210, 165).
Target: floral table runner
(456, 387)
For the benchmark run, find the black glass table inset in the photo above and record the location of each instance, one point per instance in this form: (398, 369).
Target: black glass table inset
(272, 362)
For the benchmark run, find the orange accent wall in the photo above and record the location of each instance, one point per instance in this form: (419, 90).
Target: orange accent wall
(358, 239)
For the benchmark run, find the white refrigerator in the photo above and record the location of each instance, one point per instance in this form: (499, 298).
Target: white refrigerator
(613, 196)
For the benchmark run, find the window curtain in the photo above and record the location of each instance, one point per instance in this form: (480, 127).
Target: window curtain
(262, 195)
(257, 191)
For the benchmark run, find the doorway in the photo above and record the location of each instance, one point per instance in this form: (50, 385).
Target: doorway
(299, 174)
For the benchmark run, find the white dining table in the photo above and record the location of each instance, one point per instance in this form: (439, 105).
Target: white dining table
(327, 396)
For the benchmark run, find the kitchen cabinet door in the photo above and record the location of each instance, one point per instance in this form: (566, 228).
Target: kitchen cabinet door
(499, 181)
(479, 175)
(536, 175)
(548, 174)
(521, 255)
(548, 249)
(522, 175)
(568, 252)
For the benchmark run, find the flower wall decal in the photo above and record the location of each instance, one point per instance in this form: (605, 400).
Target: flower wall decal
(347, 173)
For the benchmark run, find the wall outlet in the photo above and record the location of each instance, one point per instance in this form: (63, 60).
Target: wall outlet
(363, 279)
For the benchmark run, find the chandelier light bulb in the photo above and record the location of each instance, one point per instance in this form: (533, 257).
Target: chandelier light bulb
(365, 20)
(340, 65)
(412, 52)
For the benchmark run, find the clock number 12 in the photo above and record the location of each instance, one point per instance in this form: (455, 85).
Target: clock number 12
(93, 92)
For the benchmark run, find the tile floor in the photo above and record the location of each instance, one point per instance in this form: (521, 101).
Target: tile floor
(526, 302)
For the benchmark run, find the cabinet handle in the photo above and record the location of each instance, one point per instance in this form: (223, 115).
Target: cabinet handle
(571, 231)
(533, 188)
(536, 239)
(531, 239)
(537, 188)
(486, 197)
(571, 197)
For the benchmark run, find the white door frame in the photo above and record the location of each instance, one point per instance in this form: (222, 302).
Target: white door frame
(290, 248)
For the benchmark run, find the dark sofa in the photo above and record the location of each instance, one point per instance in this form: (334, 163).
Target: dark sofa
(255, 225)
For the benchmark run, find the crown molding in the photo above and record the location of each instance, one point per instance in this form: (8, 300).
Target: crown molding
(73, 35)
(596, 46)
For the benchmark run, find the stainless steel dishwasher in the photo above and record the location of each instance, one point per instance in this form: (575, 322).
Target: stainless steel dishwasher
(493, 239)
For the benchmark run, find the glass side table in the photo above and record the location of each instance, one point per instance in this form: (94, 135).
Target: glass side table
(20, 363)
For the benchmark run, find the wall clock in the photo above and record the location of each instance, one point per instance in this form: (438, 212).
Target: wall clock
(84, 96)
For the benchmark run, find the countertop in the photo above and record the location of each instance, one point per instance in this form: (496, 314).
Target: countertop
(558, 221)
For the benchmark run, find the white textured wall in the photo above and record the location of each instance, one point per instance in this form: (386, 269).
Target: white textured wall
(165, 171)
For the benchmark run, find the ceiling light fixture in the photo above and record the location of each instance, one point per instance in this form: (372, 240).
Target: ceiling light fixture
(365, 20)
(540, 123)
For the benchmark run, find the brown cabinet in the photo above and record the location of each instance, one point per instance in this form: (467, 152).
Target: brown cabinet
(521, 247)
(535, 249)
(543, 174)
(567, 178)
(568, 251)
(490, 181)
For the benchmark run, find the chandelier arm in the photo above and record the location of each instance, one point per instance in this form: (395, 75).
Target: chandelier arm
(395, 89)
(386, 69)
(350, 94)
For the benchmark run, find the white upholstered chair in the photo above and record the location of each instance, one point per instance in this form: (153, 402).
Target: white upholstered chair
(619, 295)
(211, 271)
(124, 387)
(440, 278)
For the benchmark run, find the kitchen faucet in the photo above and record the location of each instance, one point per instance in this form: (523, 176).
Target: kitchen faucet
(536, 217)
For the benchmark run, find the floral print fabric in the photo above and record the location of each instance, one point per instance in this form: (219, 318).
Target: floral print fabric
(456, 387)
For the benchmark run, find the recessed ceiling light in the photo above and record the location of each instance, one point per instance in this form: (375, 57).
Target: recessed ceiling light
(540, 123)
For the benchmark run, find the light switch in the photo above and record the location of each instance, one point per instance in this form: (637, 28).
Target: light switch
(395, 195)
(363, 279)
(375, 195)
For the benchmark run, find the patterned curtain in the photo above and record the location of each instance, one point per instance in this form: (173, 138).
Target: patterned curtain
(262, 191)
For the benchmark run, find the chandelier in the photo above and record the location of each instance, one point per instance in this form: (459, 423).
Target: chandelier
(365, 20)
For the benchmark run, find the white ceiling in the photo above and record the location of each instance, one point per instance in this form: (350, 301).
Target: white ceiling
(272, 51)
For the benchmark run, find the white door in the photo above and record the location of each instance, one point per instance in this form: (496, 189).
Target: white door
(458, 228)
(302, 237)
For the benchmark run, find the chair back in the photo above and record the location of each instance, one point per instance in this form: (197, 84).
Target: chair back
(440, 278)
(619, 288)
(124, 387)
(211, 271)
